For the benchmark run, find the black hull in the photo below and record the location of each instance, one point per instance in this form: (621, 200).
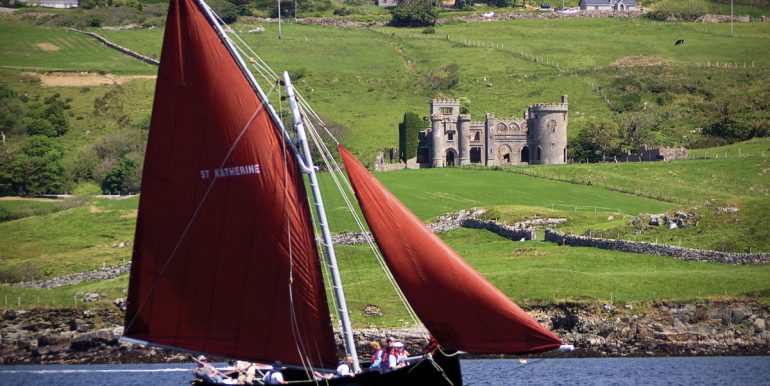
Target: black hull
(440, 370)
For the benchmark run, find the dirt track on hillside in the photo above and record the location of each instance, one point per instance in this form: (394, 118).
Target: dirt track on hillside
(82, 79)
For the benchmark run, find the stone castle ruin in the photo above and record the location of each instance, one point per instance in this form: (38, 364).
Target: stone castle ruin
(452, 139)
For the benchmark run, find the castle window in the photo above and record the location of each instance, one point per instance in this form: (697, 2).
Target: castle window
(539, 150)
(515, 127)
(477, 136)
(501, 128)
(551, 126)
(445, 110)
(450, 136)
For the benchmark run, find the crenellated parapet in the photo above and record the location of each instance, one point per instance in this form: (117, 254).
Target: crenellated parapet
(549, 107)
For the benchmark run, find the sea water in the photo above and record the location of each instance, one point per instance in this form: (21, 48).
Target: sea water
(588, 371)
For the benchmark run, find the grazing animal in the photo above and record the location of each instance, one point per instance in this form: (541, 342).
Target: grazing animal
(679, 42)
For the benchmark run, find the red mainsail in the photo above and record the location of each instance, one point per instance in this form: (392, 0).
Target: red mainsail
(224, 243)
(460, 308)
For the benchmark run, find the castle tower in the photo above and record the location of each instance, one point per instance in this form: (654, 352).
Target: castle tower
(463, 138)
(444, 130)
(547, 139)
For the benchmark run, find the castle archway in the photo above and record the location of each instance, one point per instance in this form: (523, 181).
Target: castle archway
(451, 155)
(525, 154)
(505, 154)
(475, 155)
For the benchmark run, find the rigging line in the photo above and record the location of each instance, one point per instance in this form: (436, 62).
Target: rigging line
(374, 249)
(316, 138)
(260, 65)
(327, 190)
(267, 73)
(306, 105)
(195, 214)
(232, 32)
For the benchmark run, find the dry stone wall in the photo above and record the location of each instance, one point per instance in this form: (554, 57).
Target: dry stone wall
(467, 219)
(657, 249)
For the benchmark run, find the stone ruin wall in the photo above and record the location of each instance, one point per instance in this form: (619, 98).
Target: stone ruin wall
(644, 154)
(657, 249)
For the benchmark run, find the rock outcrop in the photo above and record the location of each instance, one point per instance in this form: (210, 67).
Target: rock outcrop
(660, 329)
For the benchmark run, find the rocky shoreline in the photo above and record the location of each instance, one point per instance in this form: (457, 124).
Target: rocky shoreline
(91, 335)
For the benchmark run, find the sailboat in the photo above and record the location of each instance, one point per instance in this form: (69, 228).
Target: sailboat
(226, 260)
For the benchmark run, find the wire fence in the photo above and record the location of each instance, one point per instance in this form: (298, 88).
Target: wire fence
(552, 63)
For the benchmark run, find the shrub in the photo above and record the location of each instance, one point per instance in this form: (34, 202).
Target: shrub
(414, 13)
(342, 11)
(408, 133)
(39, 126)
(429, 30)
(446, 78)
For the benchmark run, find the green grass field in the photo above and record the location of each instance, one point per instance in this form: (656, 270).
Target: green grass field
(432, 192)
(536, 272)
(49, 49)
(74, 240)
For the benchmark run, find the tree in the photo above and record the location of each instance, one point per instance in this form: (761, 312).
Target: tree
(414, 13)
(226, 10)
(35, 169)
(726, 123)
(643, 127)
(121, 179)
(600, 138)
(408, 135)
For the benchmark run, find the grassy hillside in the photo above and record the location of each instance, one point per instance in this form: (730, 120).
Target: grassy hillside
(47, 49)
(66, 242)
(431, 192)
(734, 179)
(358, 77)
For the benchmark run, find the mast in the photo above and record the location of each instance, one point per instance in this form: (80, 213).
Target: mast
(342, 307)
(305, 164)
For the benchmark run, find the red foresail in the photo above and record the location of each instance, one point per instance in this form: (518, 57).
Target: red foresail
(460, 308)
(224, 243)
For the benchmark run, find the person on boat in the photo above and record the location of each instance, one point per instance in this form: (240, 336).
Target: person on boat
(398, 357)
(274, 376)
(346, 369)
(246, 372)
(208, 373)
(377, 357)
